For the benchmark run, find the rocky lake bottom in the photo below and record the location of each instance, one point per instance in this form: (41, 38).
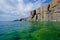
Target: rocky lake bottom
(29, 30)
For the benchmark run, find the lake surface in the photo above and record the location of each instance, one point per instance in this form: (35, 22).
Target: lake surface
(29, 30)
(8, 28)
(12, 26)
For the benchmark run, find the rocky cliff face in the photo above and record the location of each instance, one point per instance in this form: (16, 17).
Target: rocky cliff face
(48, 12)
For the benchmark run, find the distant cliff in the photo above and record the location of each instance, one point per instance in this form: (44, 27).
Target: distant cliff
(48, 12)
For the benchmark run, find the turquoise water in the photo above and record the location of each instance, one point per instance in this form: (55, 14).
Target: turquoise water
(29, 30)
(12, 26)
(9, 30)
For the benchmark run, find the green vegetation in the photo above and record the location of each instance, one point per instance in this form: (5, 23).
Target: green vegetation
(36, 31)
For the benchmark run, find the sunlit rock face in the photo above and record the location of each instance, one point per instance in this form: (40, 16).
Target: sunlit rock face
(48, 12)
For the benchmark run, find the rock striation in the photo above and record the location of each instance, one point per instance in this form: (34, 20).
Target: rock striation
(48, 12)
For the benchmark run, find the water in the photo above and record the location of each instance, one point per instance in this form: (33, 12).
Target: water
(29, 30)
(12, 26)
(7, 28)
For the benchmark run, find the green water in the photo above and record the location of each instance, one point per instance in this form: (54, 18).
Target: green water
(30, 31)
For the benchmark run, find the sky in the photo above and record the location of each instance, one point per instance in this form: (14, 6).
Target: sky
(15, 9)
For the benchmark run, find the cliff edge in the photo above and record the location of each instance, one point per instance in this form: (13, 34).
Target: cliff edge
(48, 12)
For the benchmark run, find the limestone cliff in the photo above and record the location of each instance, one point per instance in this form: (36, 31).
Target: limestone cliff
(48, 12)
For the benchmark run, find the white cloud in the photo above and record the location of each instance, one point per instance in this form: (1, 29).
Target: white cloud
(20, 9)
(24, 8)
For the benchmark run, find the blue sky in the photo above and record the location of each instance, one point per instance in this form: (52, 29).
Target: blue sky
(16, 9)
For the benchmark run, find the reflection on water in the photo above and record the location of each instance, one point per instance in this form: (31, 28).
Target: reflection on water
(29, 30)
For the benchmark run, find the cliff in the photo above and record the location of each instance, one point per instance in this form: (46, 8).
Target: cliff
(48, 12)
